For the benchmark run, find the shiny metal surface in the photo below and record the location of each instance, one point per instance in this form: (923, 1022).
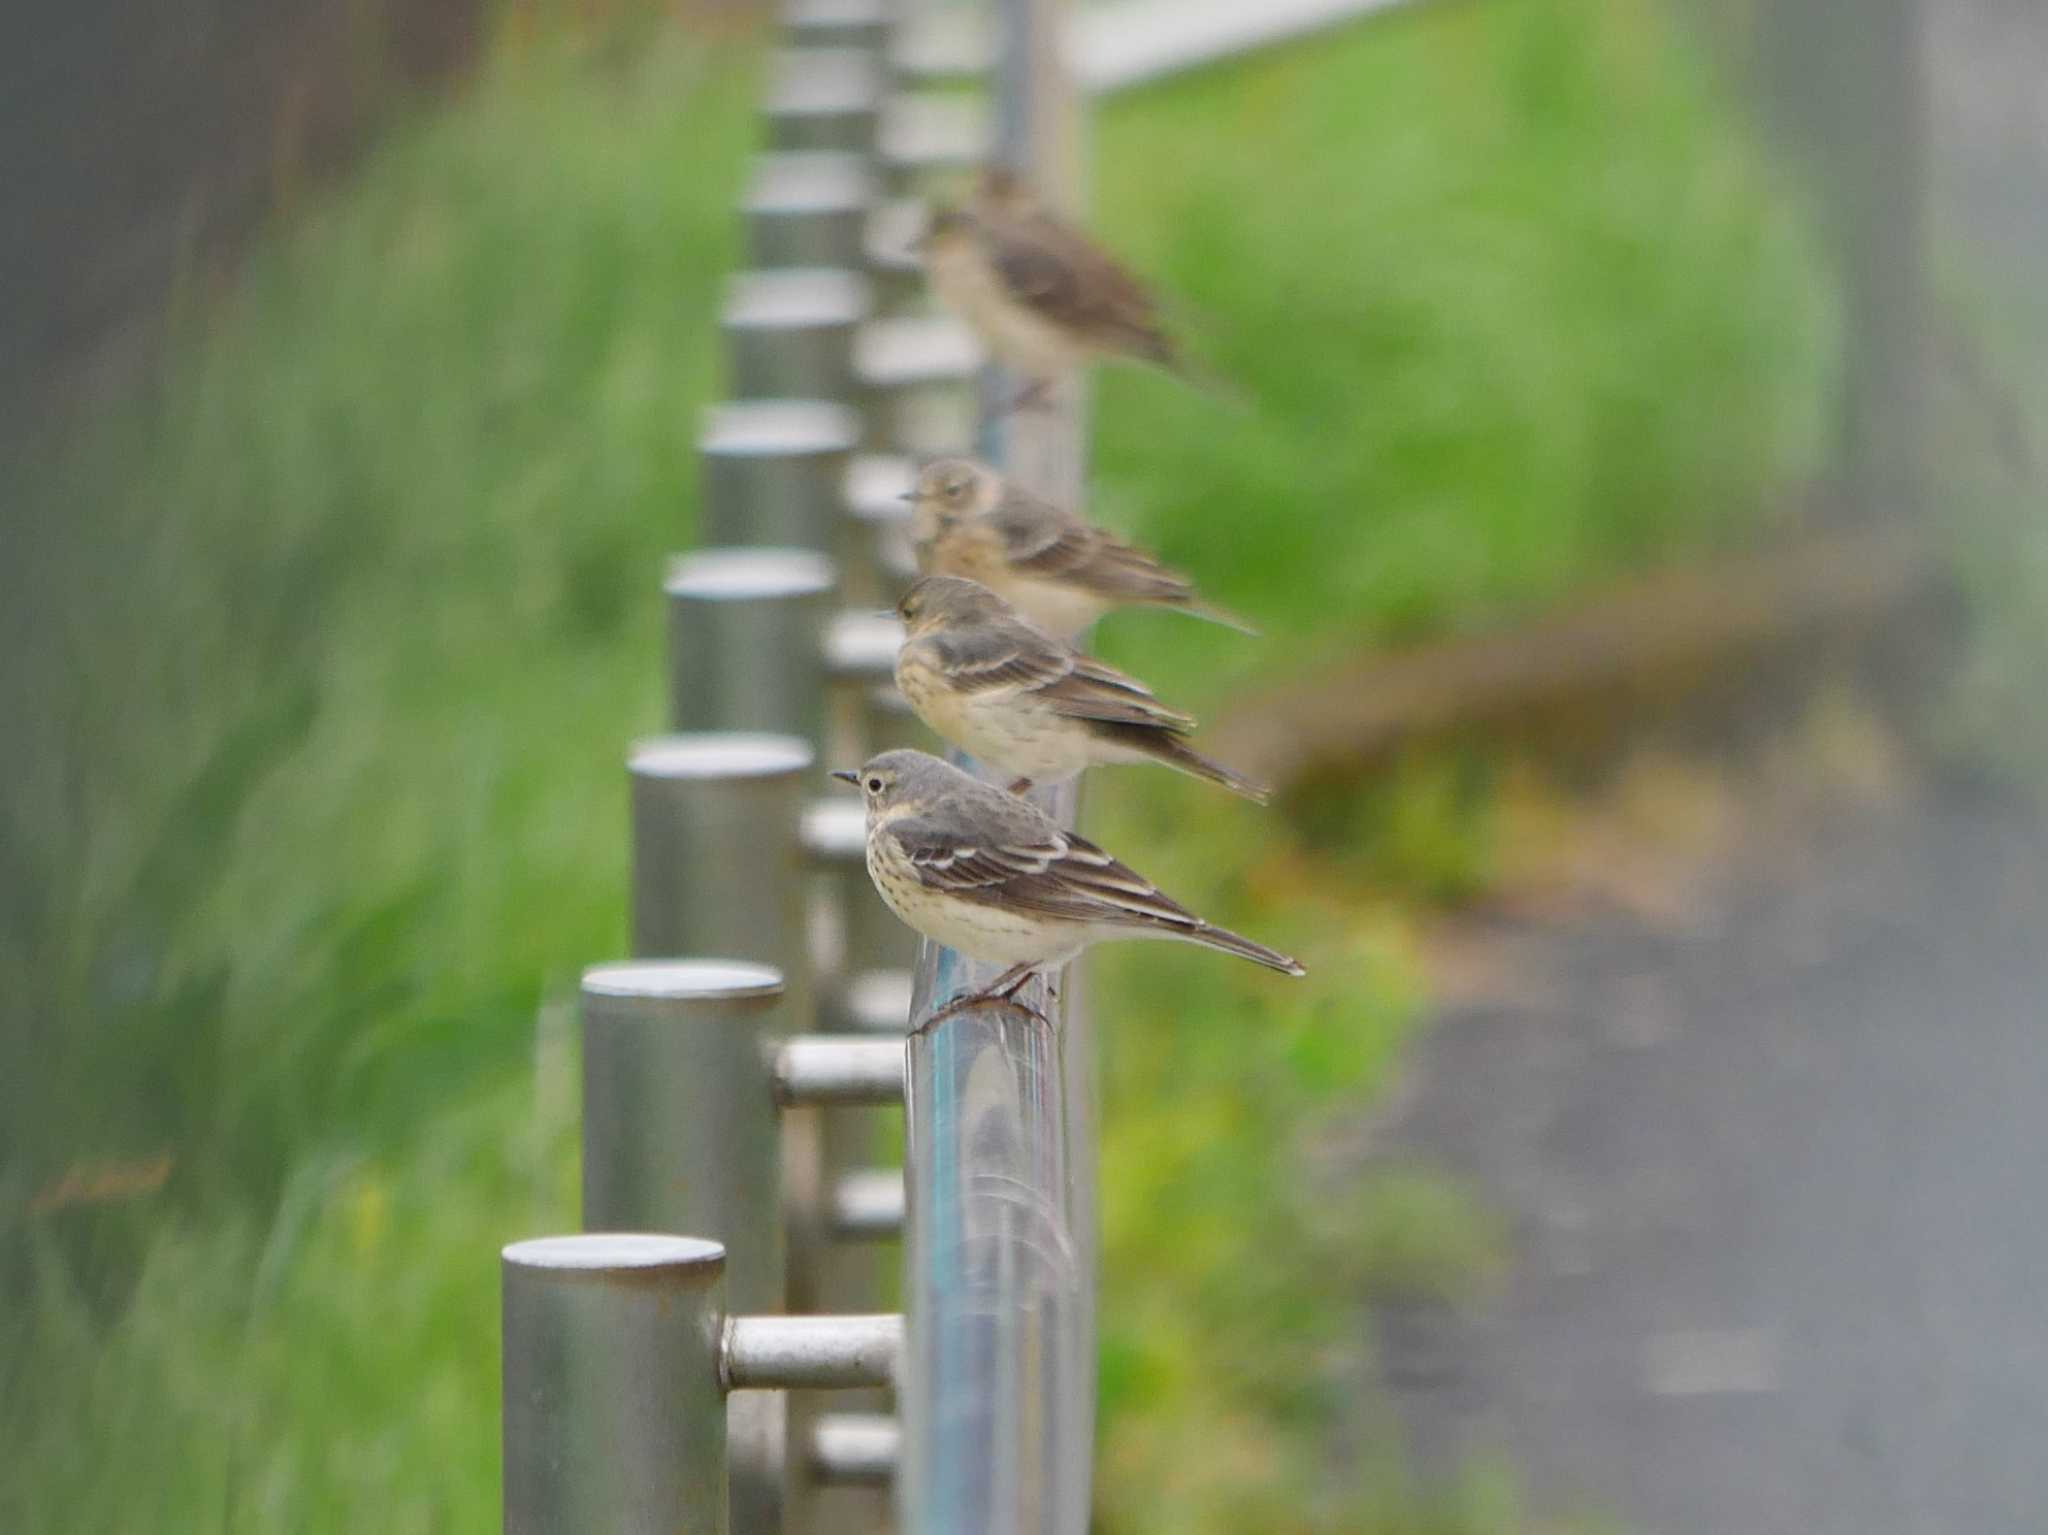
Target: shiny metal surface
(774, 473)
(835, 831)
(680, 1129)
(839, 1068)
(866, 1205)
(838, 23)
(746, 629)
(791, 332)
(787, 1353)
(809, 209)
(861, 646)
(854, 1449)
(716, 864)
(876, 1002)
(823, 98)
(614, 1417)
(998, 1390)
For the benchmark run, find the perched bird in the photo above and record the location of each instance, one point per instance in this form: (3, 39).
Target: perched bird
(1044, 298)
(995, 877)
(1055, 569)
(997, 686)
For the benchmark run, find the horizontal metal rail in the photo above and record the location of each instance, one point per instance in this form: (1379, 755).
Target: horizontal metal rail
(783, 1353)
(825, 1069)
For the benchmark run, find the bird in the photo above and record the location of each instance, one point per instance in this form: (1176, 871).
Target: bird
(1058, 571)
(994, 684)
(1044, 298)
(997, 879)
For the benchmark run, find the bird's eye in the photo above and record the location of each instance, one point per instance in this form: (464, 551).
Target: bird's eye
(874, 785)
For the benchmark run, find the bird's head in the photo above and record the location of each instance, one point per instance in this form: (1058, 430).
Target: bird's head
(947, 492)
(936, 601)
(897, 779)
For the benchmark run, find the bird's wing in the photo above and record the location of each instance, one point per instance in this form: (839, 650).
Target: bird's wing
(1094, 690)
(1056, 270)
(999, 655)
(1040, 540)
(1028, 864)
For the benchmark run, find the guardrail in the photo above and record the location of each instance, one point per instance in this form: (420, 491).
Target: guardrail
(733, 1067)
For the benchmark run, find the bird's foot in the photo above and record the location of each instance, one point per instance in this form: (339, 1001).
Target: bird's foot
(1021, 786)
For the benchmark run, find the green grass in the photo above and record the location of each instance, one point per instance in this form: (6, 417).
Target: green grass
(329, 643)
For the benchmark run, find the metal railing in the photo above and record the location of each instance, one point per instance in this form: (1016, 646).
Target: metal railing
(734, 1066)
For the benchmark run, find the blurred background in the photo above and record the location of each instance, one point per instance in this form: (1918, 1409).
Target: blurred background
(1643, 500)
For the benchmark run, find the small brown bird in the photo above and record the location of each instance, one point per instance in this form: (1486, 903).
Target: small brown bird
(1044, 298)
(1055, 569)
(1000, 688)
(997, 879)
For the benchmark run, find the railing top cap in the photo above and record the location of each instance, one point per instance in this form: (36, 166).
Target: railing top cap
(793, 296)
(614, 1252)
(682, 979)
(823, 81)
(734, 575)
(823, 12)
(719, 754)
(809, 180)
(765, 428)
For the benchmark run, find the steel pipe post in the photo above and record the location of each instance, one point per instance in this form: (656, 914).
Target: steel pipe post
(746, 631)
(614, 1416)
(824, 99)
(679, 1117)
(809, 209)
(775, 473)
(716, 853)
(790, 333)
(863, 24)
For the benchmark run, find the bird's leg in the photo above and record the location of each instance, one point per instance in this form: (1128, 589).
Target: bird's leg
(1021, 786)
(1010, 982)
(1004, 990)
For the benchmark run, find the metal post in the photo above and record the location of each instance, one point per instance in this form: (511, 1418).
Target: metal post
(746, 630)
(839, 23)
(809, 209)
(681, 1133)
(998, 1387)
(789, 333)
(824, 98)
(775, 473)
(679, 1116)
(716, 854)
(613, 1414)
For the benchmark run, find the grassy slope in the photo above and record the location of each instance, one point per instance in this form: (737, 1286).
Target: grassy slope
(332, 647)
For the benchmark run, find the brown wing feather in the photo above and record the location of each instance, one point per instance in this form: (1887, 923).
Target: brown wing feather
(1095, 691)
(1047, 871)
(1055, 269)
(1041, 540)
(999, 655)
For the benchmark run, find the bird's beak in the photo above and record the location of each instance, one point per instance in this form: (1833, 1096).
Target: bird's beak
(908, 495)
(846, 775)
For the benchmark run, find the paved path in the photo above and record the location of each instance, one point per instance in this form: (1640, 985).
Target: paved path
(1779, 1179)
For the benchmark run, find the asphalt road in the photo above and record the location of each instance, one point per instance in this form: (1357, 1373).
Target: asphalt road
(1778, 1178)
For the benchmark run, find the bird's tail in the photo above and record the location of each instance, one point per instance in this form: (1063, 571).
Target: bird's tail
(1163, 746)
(1208, 612)
(1212, 937)
(1224, 391)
